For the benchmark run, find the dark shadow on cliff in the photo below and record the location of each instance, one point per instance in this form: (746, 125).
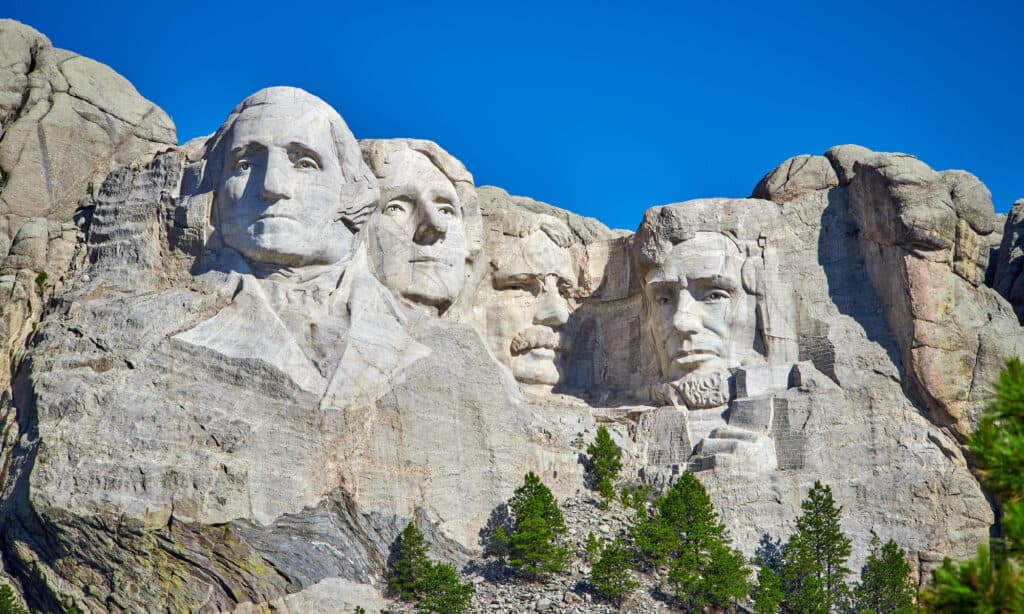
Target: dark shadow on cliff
(849, 286)
(20, 527)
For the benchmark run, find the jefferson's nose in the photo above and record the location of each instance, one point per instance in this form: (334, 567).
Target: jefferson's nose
(431, 226)
(551, 308)
(687, 320)
(275, 183)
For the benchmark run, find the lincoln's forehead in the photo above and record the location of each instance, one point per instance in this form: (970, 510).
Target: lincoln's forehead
(707, 255)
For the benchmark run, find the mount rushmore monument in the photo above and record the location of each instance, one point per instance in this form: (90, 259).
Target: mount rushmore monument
(240, 366)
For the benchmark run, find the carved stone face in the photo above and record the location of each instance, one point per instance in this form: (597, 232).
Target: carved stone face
(279, 192)
(418, 239)
(700, 315)
(527, 306)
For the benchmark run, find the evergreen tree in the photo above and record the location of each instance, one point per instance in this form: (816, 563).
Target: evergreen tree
(9, 602)
(535, 544)
(885, 586)
(685, 533)
(978, 585)
(814, 559)
(993, 582)
(435, 586)
(410, 564)
(442, 592)
(605, 463)
(767, 595)
(610, 573)
(593, 548)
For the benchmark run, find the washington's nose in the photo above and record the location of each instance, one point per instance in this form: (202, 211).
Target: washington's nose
(431, 226)
(687, 319)
(275, 185)
(551, 308)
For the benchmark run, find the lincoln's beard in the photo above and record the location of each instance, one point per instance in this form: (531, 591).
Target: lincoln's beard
(700, 390)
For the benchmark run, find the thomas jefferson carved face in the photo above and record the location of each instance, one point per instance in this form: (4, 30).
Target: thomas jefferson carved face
(527, 302)
(418, 239)
(698, 311)
(279, 191)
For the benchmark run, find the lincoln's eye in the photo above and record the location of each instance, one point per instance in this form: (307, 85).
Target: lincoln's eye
(663, 298)
(242, 165)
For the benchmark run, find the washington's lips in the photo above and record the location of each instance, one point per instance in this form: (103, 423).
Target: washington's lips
(535, 337)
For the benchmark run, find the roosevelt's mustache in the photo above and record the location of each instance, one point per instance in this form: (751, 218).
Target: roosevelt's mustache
(535, 337)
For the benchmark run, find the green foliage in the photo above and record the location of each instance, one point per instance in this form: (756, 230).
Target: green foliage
(498, 545)
(41, 279)
(684, 533)
(593, 547)
(605, 463)
(998, 447)
(442, 592)
(814, 559)
(885, 586)
(359, 610)
(767, 595)
(535, 544)
(435, 586)
(610, 573)
(410, 565)
(9, 602)
(977, 585)
(634, 498)
(992, 582)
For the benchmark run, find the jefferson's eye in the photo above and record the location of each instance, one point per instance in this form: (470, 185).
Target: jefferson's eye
(446, 210)
(307, 163)
(394, 208)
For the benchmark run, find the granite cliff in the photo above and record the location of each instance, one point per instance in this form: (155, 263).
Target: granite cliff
(240, 366)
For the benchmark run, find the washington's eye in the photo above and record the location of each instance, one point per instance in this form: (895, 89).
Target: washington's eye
(717, 295)
(307, 163)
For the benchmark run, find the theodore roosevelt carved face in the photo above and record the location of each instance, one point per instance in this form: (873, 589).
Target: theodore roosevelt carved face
(288, 165)
(528, 300)
(701, 316)
(417, 239)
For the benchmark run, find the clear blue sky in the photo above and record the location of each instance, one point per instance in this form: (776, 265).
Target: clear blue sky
(605, 108)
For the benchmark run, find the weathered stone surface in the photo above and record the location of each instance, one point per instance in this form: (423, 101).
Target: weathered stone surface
(277, 346)
(1009, 261)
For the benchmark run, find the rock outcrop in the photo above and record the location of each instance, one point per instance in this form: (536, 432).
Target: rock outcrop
(65, 122)
(276, 346)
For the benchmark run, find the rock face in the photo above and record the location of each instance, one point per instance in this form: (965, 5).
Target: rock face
(279, 345)
(65, 123)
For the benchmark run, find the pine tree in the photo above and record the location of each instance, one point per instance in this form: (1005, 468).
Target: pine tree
(685, 533)
(610, 573)
(593, 548)
(410, 565)
(767, 595)
(992, 582)
(535, 544)
(885, 586)
(605, 463)
(9, 602)
(442, 592)
(434, 585)
(814, 559)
